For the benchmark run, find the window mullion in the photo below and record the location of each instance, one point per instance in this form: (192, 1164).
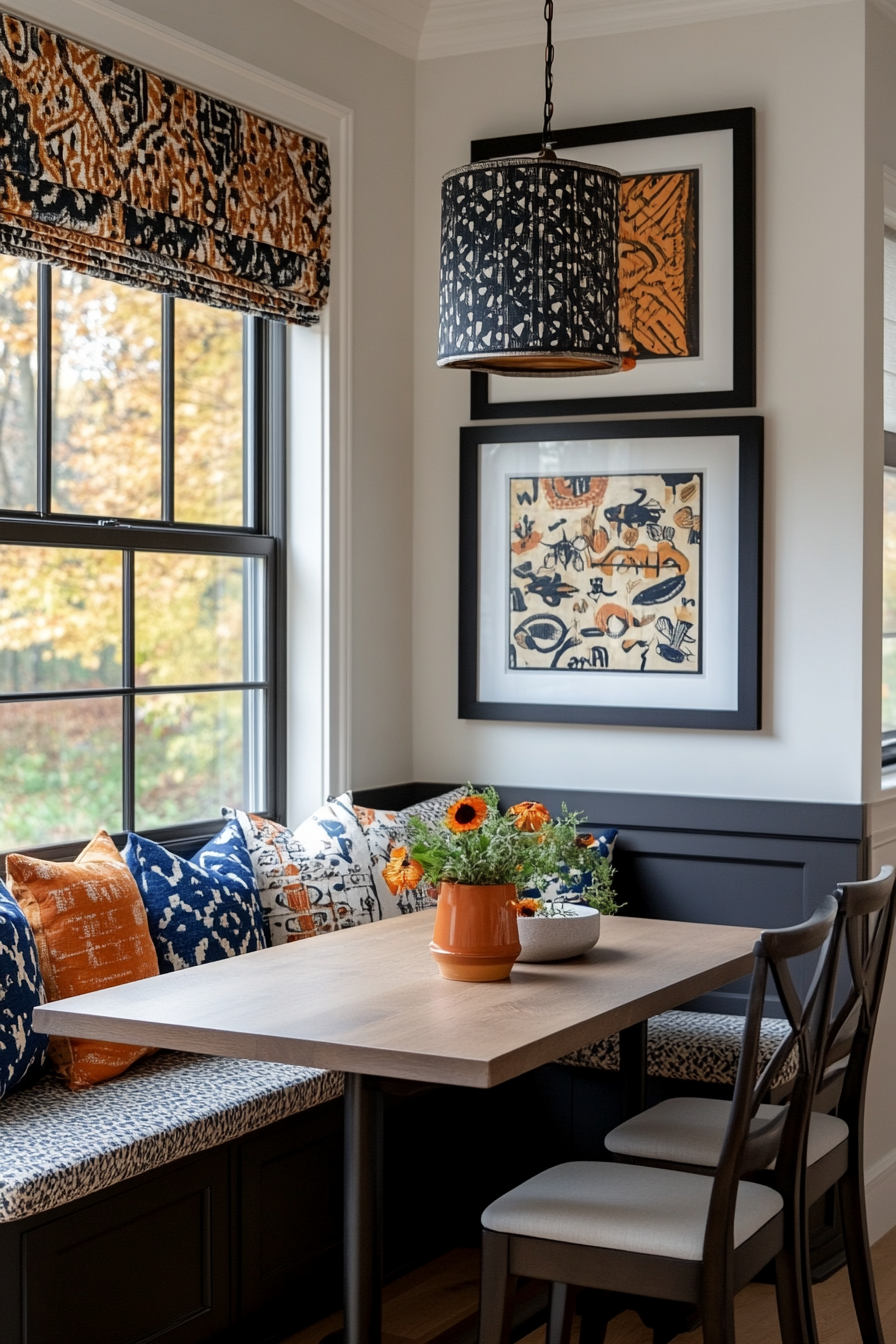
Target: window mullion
(167, 408)
(128, 670)
(44, 389)
(275, 577)
(254, 424)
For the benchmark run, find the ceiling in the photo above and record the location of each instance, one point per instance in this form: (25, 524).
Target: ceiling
(427, 28)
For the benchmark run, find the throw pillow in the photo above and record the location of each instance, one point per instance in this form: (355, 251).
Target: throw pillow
(200, 909)
(90, 928)
(574, 886)
(387, 831)
(21, 990)
(315, 879)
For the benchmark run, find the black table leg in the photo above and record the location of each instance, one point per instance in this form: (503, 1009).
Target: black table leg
(363, 1204)
(633, 1068)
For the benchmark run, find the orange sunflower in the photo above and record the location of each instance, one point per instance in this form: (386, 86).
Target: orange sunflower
(402, 873)
(467, 814)
(529, 816)
(528, 907)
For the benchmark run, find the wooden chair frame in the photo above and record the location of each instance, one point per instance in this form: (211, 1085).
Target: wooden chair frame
(712, 1282)
(869, 909)
(866, 916)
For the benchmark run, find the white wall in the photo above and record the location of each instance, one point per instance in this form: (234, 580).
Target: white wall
(803, 72)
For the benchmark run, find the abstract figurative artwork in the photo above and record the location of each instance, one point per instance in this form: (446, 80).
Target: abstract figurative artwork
(686, 269)
(605, 573)
(659, 308)
(609, 571)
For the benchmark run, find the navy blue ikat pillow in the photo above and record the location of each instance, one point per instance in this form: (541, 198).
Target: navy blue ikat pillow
(200, 909)
(21, 990)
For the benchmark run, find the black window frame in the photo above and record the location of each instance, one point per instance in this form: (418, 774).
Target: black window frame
(264, 536)
(888, 740)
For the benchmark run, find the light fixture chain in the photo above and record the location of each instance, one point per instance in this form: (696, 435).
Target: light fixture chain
(546, 140)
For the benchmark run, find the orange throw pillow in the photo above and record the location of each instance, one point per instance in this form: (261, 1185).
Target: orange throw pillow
(90, 927)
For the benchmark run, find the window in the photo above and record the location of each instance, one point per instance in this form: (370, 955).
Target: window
(141, 498)
(888, 715)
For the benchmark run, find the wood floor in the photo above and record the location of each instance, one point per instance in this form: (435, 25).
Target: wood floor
(439, 1302)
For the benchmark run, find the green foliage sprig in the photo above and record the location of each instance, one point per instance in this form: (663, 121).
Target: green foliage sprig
(568, 853)
(489, 848)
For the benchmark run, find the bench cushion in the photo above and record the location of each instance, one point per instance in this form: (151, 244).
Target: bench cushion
(697, 1047)
(57, 1145)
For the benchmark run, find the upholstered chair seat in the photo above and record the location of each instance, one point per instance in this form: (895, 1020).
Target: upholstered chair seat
(642, 1210)
(690, 1131)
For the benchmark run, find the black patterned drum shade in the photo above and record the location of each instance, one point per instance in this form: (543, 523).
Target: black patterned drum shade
(529, 268)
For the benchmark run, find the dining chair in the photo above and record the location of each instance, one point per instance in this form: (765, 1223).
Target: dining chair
(625, 1231)
(687, 1133)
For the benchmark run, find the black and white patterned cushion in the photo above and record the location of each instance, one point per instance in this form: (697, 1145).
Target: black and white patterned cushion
(697, 1047)
(57, 1145)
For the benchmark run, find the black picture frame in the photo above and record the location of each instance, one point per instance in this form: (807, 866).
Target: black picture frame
(748, 712)
(742, 123)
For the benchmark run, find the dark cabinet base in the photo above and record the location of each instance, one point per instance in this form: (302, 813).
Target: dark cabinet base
(233, 1244)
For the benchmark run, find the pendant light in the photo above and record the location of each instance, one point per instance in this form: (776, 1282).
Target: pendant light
(529, 269)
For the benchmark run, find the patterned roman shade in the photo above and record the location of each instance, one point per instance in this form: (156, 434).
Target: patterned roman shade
(113, 170)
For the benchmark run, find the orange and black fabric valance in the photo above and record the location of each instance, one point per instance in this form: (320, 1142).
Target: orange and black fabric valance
(113, 170)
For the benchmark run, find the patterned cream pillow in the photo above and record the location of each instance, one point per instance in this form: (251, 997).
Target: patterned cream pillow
(315, 879)
(386, 831)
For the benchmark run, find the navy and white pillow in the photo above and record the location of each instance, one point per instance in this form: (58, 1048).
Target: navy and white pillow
(202, 909)
(21, 990)
(573, 887)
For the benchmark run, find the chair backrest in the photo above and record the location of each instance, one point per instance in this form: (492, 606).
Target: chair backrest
(868, 909)
(750, 1146)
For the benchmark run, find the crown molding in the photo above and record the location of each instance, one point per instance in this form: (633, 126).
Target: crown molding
(454, 27)
(396, 24)
(426, 29)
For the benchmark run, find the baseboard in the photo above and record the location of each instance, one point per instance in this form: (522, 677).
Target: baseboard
(880, 1195)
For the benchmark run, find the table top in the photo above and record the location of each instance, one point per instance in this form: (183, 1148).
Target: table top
(371, 1000)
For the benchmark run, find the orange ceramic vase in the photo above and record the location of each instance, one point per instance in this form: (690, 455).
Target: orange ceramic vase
(475, 937)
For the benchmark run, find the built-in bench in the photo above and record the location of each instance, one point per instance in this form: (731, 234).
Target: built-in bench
(57, 1146)
(189, 1199)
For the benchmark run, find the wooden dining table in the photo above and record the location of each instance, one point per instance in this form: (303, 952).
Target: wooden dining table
(372, 1004)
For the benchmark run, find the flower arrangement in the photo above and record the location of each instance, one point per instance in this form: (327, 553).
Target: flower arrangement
(478, 845)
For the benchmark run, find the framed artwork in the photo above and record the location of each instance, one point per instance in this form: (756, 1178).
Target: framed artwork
(610, 572)
(686, 270)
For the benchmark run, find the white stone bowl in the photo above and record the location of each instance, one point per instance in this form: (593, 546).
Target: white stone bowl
(558, 937)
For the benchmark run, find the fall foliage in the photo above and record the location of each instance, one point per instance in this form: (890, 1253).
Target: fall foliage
(61, 608)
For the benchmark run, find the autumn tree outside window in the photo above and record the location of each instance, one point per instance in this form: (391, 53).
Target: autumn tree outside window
(141, 528)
